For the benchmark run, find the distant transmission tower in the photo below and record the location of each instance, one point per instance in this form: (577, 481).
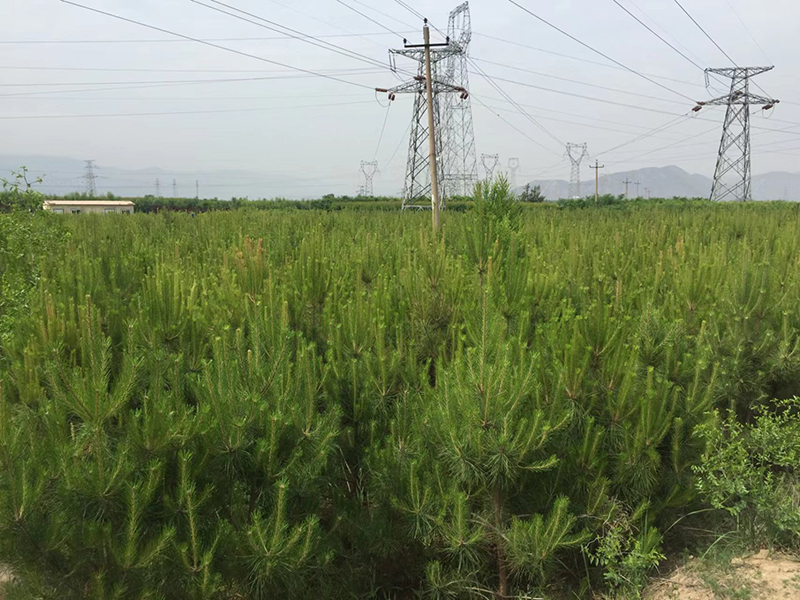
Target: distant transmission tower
(513, 167)
(368, 169)
(490, 163)
(732, 174)
(576, 153)
(453, 134)
(90, 178)
(460, 161)
(174, 188)
(158, 188)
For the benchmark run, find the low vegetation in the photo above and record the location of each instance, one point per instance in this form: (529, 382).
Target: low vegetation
(284, 403)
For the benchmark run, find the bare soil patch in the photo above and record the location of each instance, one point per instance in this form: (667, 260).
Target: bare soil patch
(763, 576)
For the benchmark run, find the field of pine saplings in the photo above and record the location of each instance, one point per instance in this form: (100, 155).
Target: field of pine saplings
(306, 404)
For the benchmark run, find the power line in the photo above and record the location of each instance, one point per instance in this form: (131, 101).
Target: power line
(180, 112)
(514, 103)
(583, 60)
(585, 45)
(747, 29)
(586, 125)
(388, 16)
(409, 9)
(155, 85)
(648, 134)
(368, 18)
(575, 95)
(156, 81)
(646, 26)
(601, 87)
(510, 124)
(213, 45)
(700, 27)
(298, 35)
(707, 131)
(140, 70)
(168, 41)
(383, 129)
(713, 41)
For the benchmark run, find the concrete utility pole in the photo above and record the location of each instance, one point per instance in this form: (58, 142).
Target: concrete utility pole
(196, 189)
(174, 188)
(637, 189)
(626, 182)
(158, 188)
(597, 166)
(426, 32)
(647, 193)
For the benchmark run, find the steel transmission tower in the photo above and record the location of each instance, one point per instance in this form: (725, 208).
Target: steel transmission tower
(368, 169)
(576, 153)
(490, 163)
(460, 168)
(454, 149)
(90, 178)
(732, 174)
(513, 167)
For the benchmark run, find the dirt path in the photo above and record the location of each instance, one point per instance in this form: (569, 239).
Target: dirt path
(759, 577)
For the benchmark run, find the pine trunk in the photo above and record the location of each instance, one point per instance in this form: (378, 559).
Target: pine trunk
(497, 504)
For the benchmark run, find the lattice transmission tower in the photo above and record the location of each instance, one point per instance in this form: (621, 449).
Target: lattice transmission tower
(453, 133)
(513, 167)
(369, 168)
(732, 173)
(90, 178)
(460, 168)
(576, 153)
(490, 163)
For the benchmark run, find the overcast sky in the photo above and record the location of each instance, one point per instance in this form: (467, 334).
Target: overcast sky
(317, 129)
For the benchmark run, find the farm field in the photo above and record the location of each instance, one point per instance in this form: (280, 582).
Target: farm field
(294, 404)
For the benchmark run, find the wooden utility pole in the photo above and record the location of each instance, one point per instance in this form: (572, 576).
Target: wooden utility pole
(626, 182)
(431, 133)
(597, 166)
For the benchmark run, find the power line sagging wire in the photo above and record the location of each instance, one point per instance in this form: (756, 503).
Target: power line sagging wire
(292, 33)
(214, 45)
(596, 51)
(368, 18)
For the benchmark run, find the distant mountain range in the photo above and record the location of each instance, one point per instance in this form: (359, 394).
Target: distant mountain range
(668, 182)
(65, 175)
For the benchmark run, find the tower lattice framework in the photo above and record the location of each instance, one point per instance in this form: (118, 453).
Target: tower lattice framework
(90, 178)
(732, 173)
(457, 165)
(576, 154)
(369, 168)
(490, 164)
(460, 168)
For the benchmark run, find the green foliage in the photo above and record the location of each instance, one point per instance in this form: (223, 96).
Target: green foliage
(626, 554)
(532, 195)
(18, 194)
(339, 404)
(751, 472)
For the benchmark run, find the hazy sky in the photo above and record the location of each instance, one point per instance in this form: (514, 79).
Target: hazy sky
(317, 130)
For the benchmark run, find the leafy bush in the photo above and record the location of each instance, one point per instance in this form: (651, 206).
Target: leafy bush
(751, 472)
(18, 194)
